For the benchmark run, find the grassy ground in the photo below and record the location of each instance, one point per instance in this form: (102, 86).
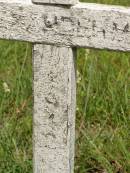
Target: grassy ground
(15, 108)
(103, 112)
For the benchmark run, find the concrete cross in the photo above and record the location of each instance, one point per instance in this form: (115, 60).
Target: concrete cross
(56, 28)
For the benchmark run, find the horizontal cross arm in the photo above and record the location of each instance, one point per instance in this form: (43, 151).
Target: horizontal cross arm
(82, 25)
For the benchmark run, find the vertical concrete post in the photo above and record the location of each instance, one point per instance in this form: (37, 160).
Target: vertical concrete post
(54, 109)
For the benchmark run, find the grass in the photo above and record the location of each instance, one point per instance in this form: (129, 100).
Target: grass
(103, 112)
(103, 116)
(15, 107)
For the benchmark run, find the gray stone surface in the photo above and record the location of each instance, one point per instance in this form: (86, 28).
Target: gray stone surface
(82, 25)
(63, 2)
(54, 109)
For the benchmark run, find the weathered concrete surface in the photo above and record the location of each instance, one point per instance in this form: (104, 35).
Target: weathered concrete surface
(16, 1)
(82, 25)
(63, 2)
(54, 109)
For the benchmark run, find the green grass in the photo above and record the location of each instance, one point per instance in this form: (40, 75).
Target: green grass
(103, 111)
(15, 108)
(113, 2)
(103, 116)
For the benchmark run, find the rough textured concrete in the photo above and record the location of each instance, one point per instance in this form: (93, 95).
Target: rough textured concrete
(54, 109)
(63, 2)
(82, 25)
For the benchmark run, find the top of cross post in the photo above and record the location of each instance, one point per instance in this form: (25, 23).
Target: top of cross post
(60, 2)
